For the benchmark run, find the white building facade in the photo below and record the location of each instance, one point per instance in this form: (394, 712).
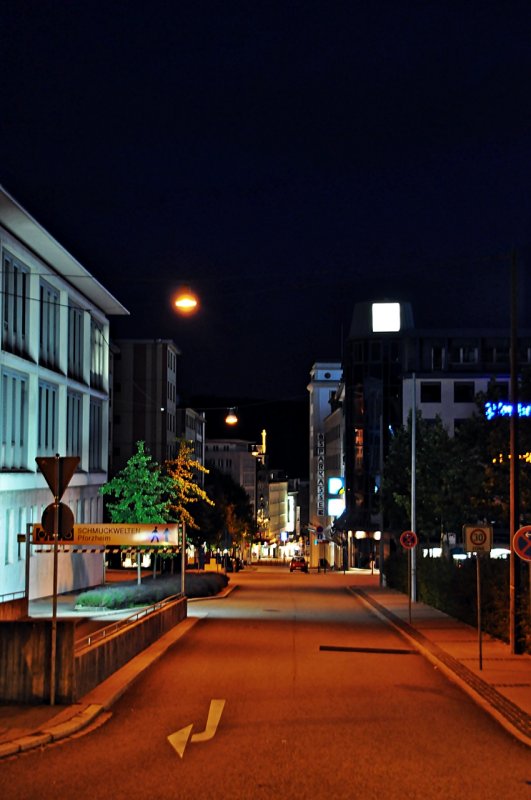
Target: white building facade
(54, 397)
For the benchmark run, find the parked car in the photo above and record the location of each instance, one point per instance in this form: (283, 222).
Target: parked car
(298, 562)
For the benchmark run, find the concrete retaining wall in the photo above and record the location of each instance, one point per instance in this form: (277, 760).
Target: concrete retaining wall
(14, 609)
(98, 661)
(25, 655)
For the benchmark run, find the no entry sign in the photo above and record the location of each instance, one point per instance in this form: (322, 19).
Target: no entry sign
(522, 543)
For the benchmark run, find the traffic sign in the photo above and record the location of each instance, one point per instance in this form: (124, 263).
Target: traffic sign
(477, 538)
(58, 519)
(522, 543)
(57, 471)
(408, 539)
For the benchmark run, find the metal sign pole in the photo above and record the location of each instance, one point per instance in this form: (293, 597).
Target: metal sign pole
(183, 559)
(478, 581)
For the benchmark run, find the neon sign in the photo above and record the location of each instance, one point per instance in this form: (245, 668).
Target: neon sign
(502, 409)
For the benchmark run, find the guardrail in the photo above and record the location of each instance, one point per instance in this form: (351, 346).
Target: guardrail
(109, 630)
(5, 598)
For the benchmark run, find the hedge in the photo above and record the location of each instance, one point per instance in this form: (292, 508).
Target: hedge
(450, 586)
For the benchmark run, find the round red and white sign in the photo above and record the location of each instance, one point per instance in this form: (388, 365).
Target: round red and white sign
(408, 539)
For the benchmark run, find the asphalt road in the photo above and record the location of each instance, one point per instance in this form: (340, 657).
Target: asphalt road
(321, 700)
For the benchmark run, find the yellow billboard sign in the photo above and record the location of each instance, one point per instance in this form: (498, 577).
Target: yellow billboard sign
(114, 534)
(139, 535)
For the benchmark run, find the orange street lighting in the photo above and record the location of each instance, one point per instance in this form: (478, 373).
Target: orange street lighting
(185, 301)
(231, 418)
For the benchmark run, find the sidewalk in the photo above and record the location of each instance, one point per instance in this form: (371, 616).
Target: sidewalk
(502, 687)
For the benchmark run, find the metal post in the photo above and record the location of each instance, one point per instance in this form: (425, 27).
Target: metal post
(413, 586)
(183, 559)
(515, 637)
(53, 654)
(478, 582)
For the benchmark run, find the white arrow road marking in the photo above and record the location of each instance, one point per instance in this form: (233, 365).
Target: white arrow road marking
(179, 739)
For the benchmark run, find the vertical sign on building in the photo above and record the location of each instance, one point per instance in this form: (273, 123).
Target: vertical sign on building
(320, 452)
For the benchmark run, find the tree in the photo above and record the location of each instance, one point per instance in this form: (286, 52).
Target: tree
(231, 515)
(140, 492)
(442, 479)
(184, 490)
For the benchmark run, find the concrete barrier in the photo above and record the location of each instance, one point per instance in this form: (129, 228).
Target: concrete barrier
(25, 655)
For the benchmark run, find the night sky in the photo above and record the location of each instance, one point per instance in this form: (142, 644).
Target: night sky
(287, 159)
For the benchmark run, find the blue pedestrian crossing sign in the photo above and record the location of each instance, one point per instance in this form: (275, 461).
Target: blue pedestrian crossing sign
(522, 543)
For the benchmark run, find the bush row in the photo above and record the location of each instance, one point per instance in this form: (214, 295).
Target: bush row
(129, 595)
(451, 587)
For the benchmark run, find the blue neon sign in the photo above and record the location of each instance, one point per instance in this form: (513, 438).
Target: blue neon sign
(502, 409)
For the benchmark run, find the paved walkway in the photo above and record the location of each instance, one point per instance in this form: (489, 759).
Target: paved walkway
(502, 687)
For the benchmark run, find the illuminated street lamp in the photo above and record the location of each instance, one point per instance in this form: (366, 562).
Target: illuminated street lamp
(231, 418)
(185, 301)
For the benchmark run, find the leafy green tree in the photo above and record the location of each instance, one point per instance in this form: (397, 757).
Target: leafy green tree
(140, 491)
(442, 480)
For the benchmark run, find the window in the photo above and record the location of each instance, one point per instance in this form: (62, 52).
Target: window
(75, 342)
(97, 353)
(13, 421)
(96, 436)
(464, 392)
(430, 392)
(49, 326)
(74, 420)
(437, 357)
(464, 353)
(15, 307)
(497, 353)
(47, 431)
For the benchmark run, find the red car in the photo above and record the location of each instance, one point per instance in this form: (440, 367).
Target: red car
(298, 562)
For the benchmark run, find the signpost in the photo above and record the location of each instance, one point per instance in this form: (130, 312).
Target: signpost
(522, 543)
(478, 540)
(57, 473)
(409, 540)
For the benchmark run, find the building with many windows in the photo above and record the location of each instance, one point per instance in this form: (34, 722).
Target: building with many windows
(54, 395)
(389, 368)
(325, 378)
(145, 399)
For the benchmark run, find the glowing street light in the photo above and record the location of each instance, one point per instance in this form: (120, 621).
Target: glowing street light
(231, 418)
(185, 301)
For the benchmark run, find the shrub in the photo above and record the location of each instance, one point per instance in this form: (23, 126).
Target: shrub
(151, 591)
(451, 587)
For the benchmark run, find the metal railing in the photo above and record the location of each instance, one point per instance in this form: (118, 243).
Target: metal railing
(109, 630)
(5, 598)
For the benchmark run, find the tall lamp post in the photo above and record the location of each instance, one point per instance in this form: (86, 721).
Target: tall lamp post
(515, 624)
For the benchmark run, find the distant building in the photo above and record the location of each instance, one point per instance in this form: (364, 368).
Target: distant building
(324, 382)
(54, 395)
(390, 367)
(235, 458)
(145, 399)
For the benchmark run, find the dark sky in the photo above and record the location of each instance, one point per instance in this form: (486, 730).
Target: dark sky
(288, 159)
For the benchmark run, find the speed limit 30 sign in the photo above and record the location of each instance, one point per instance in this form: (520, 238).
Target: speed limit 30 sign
(477, 538)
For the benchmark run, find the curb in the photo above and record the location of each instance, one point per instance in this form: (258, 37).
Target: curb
(510, 716)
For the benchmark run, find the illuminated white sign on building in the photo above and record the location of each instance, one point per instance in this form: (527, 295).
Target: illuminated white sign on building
(320, 453)
(385, 317)
(336, 496)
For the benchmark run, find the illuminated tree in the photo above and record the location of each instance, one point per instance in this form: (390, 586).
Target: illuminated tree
(184, 490)
(140, 491)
